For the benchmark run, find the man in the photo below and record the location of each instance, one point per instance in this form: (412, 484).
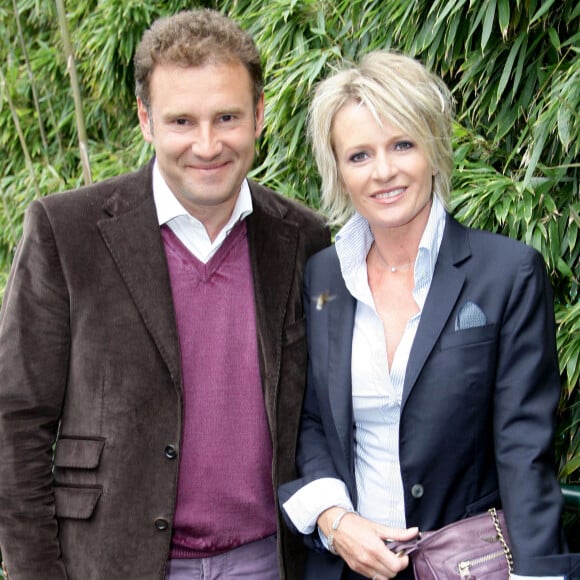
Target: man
(152, 358)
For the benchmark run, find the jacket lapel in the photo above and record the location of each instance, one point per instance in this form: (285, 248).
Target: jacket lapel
(273, 245)
(340, 330)
(131, 232)
(445, 287)
(332, 324)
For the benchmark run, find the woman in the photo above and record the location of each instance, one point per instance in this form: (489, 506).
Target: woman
(433, 375)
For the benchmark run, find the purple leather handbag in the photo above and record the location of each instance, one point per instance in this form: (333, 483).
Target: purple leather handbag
(472, 548)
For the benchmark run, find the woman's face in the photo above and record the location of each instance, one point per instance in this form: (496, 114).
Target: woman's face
(389, 179)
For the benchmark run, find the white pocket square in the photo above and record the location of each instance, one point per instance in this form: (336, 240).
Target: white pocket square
(470, 315)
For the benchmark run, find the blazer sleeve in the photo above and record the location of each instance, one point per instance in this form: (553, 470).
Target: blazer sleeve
(527, 394)
(34, 352)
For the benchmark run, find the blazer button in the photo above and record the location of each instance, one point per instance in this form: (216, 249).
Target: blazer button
(417, 491)
(170, 452)
(161, 524)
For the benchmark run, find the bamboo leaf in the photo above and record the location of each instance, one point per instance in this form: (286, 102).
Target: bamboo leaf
(504, 17)
(521, 63)
(546, 5)
(564, 269)
(554, 39)
(570, 467)
(508, 68)
(564, 126)
(537, 148)
(488, 23)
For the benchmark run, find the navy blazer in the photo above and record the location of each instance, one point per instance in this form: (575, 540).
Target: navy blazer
(478, 405)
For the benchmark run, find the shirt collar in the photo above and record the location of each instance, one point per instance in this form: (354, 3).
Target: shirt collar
(354, 241)
(169, 207)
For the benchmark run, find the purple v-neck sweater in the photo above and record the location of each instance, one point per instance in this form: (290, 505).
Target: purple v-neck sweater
(225, 497)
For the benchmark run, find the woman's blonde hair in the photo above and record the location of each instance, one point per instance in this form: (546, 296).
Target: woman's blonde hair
(398, 90)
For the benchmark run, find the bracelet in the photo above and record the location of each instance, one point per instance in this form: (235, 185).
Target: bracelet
(331, 547)
(335, 524)
(338, 519)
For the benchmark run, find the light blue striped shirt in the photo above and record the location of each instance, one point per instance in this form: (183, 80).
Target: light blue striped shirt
(376, 389)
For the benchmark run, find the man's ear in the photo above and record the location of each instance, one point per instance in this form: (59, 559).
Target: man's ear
(145, 121)
(259, 116)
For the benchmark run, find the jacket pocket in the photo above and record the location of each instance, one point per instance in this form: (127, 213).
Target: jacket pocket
(468, 336)
(76, 502)
(484, 503)
(78, 452)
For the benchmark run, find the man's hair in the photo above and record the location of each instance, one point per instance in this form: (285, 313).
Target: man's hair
(195, 38)
(398, 90)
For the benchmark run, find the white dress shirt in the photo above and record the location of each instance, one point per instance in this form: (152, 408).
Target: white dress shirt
(190, 231)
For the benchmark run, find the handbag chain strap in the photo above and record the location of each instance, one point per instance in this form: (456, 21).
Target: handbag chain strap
(504, 544)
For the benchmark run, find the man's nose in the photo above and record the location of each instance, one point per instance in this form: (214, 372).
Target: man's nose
(206, 143)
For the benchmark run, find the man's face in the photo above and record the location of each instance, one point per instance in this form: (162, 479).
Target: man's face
(203, 125)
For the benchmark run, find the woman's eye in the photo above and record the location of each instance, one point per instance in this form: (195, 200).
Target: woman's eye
(403, 145)
(358, 157)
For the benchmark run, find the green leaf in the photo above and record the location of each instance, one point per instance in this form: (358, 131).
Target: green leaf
(528, 206)
(536, 152)
(570, 467)
(554, 39)
(549, 204)
(508, 68)
(564, 126)
(488, 23)
(564, 269)
(504, 17)
(546, 5)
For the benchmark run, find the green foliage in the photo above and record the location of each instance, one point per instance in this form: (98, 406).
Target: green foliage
(512, 65)
(515, 75)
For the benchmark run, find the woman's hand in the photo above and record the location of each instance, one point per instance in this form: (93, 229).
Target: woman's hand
(361, 543)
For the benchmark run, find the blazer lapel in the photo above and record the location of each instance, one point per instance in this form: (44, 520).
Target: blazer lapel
(340, 329)
(333, 323)
(131, 232)
(273, 245)
(445, 287)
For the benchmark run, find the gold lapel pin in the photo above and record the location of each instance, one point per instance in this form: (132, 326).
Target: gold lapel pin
(322, 299)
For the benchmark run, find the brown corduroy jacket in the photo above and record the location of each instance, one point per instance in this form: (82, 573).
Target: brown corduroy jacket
(89, 359)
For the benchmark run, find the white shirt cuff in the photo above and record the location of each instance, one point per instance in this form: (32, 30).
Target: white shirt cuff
(305, 506)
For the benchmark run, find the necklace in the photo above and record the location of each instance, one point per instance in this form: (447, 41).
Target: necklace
(400, 268)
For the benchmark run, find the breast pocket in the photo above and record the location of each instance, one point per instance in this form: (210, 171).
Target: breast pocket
(465, 364)
(468, 337)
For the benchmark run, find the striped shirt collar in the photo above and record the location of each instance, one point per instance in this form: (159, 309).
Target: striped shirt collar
(354, 241)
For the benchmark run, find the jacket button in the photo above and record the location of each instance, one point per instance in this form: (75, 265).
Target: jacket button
(170, 452)
(161, 524)
(417, 491)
